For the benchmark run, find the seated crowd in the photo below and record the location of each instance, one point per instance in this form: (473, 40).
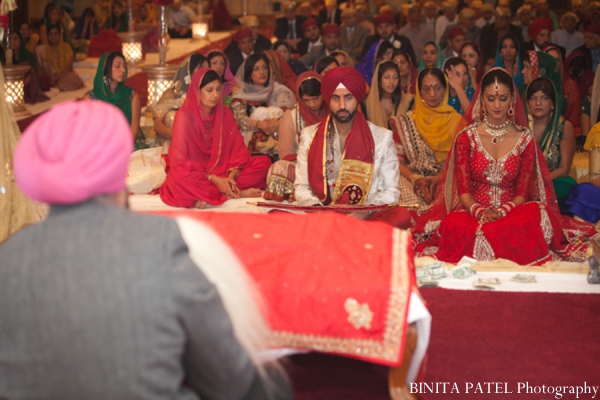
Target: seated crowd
(459, 125)
(451, 122)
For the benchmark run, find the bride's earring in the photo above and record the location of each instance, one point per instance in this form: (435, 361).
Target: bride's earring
(511, 111)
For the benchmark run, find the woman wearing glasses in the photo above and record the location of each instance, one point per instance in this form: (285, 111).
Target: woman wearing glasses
(424, 137)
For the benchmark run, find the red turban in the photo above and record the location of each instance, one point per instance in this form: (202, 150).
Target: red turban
(242, 34)
(593, 28)
(330, 29)
(536, 27)
(308, 23)
(385, 18)
(456, 31)
(347, 76)
(56, 163)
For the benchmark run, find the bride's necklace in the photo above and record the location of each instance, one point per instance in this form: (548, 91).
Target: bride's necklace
(497, 132)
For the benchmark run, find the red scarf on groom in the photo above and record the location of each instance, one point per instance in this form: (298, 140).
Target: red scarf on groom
(356, 171)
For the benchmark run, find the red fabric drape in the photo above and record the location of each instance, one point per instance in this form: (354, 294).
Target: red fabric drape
(221, 17)
(359, 146)
(308, 115)
(204, 145)
(105, 42)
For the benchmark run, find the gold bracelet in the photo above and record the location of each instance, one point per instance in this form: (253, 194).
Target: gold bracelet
(414, 178)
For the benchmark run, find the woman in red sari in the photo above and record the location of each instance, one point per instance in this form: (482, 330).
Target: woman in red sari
(497, 200)
(208, 161)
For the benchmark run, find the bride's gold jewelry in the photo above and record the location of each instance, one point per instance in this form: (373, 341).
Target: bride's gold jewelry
(497, 132)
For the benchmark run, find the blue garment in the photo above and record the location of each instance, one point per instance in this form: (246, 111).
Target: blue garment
(518, 78)
(439, 63)
(595, 54)
(454, 102)
(297, 66)
(367, 66)
(583, 201)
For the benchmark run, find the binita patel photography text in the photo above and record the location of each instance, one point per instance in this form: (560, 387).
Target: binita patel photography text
(583, 391)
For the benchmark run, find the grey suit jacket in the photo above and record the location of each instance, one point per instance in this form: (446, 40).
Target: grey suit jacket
(313, 56)
(101, 303)
(354, 44)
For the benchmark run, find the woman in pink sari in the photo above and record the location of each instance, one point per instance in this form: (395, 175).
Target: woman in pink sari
(208, 162)
(218, 61)
(497, 198)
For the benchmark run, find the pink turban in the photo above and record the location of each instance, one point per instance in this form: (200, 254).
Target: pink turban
(242, 34)
(385, 18)
(330, 29)
(456, 31)
(347, 76)
(308, 23)
(73, 152)
(536, 27)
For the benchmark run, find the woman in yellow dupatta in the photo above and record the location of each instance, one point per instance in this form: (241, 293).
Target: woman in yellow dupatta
(55, 60)
(386, 99)
(424, 137)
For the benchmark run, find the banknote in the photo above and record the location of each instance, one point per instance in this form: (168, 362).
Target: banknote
(488, 281)
(422, 274)
(524, 278)
(462, 272)
(478, 285)
(466, 261)
(436, 270)
(428, 284)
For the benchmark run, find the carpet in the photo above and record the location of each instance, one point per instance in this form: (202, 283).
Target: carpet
(477, 337)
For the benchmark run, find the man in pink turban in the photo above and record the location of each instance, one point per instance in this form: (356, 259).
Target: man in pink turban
(539, 31)
(99, 302)
(346, 160)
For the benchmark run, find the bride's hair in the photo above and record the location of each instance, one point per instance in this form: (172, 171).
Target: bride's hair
(499, 75)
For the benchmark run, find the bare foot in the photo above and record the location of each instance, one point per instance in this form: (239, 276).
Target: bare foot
(252, 192)
(199, 204)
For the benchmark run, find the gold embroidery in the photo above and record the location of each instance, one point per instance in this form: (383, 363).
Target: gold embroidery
(359, 315)
(354, 178)
(387, 349)
(482, 249)
(546, 225)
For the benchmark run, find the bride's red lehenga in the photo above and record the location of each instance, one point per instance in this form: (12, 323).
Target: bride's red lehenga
(530, 234)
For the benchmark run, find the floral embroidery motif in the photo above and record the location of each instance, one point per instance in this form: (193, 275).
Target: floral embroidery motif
(384, 350)
(359, 315)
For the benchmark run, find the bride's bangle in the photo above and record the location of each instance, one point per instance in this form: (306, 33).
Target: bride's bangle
(477, 211)
(505, 208)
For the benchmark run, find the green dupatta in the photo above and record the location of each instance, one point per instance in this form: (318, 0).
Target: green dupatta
(25, 55)
(121, 98)
(550, 142)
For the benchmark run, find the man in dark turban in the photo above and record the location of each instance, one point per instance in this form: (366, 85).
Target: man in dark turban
(311, 36)
(345, 160)
(330, 36)
(245, 46)
(385, 28)
(539, 31)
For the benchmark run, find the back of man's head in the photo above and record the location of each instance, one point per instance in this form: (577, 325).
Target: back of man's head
(74, 152)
